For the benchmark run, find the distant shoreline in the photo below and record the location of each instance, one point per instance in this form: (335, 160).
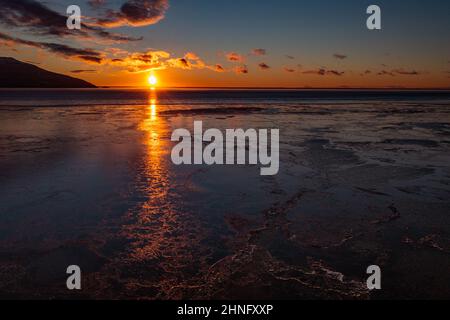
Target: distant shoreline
(235, 88)
(284, 88)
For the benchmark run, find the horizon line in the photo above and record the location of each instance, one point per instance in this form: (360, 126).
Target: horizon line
(287, 88)
(242, 88)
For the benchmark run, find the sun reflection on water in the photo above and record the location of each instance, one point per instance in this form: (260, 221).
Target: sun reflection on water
(155, 171)
(161, 231)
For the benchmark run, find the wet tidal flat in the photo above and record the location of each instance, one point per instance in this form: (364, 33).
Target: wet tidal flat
(359, 184)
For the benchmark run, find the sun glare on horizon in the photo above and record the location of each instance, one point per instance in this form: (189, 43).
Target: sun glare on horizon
(152, 80)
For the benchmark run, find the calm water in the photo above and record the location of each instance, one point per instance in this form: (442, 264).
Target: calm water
(77, 97)
(86, 178)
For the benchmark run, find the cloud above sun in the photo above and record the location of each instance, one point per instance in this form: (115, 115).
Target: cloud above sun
(32, 18)
(35, 19)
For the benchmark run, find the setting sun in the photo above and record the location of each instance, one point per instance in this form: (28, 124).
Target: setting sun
(152, 80)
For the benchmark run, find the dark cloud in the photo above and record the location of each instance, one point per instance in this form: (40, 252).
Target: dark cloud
(290, 70)
(400, 71)
(406, 72)
(218, 68)
(289, 57)
(241, 69)
(136, 13)
(85, 58)
(34, 17)
(259, 52)
(386, 73)
(335, 72)
(234, 57)
(324, 72)
(263, 66)
(184, 63)
(189, 61)
(83, 71)
(87, 55)
(320, 72)
(339, 56)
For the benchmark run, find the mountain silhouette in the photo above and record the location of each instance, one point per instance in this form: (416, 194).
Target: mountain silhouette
(17, 74)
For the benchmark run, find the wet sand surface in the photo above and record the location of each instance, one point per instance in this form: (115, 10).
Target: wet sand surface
(359, 184)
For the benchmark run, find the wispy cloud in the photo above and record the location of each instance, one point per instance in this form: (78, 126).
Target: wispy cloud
(335, 72)
(399, 71)
(259, 52)
(192, 56)
(291, 69)
(234, 57)
(217, 68)
(324, 72)
(340, 56)
(181, 63)
(87, 55)
(263, 66)
(386, 73)
(241, 69)
(407, 72)
(83, 71)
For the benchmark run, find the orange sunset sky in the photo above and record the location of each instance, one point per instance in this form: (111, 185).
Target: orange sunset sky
(287, 43)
